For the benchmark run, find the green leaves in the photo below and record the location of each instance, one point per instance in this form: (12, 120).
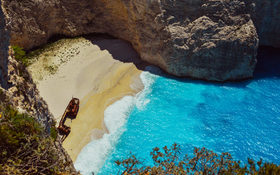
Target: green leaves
(16, 130)
(53, 133)
(25, 148)
(20, 55)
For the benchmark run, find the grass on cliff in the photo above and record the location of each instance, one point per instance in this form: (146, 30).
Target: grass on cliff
(25, 148)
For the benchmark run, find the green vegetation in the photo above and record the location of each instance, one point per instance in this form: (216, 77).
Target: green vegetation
(20, 55)
(25, 148)
(1, 93)
(46, 54)
(204, 162)
(54, 132)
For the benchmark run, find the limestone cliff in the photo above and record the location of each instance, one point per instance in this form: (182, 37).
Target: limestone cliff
(17, 82)
(18, 90)
(206, 39)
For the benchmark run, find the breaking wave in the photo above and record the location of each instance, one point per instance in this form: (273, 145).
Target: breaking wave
(93, 156)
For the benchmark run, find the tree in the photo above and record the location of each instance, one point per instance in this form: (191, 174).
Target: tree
(203, 161)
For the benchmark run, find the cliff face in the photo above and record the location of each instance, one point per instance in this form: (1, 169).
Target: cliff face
(18, 90)
(4, 47)
(267, 21)
(23, 95)
(215, 40)
(212, 40)
(17, 83)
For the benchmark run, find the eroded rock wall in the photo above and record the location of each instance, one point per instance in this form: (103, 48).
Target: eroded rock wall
(16, 81)
(205, 39)
(216, 40)
(17, 89)
(4, 47)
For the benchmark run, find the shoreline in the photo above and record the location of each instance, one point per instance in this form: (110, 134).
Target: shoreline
(83, 69)
(94, 105)
(116, 116)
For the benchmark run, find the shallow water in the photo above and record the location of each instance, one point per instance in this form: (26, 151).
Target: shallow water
(240, 118)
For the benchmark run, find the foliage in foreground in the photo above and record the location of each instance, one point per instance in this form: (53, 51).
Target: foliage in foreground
(25, 148)
(204, 162)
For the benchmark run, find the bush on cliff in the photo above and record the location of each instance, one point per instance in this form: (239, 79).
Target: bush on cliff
(25, 148)
(170, 161)
(20, 55)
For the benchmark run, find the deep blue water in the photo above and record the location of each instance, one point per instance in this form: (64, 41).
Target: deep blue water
(241, 118)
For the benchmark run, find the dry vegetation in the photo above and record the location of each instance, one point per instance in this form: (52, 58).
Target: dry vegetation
(203, 162)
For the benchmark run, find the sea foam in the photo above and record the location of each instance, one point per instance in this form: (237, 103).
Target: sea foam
(93, 156)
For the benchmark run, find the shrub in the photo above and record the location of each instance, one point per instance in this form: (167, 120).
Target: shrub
(25, 148)
(53, 132)
(202, 162)
(20, 55)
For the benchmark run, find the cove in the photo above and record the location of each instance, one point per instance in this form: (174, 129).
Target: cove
(242, 118)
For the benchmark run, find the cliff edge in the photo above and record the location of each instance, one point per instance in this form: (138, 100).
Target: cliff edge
(4, 47)
(19, 97)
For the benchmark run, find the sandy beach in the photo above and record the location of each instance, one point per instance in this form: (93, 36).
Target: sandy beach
(96, 70)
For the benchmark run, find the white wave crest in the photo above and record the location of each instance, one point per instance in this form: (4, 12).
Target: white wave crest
(93, 156)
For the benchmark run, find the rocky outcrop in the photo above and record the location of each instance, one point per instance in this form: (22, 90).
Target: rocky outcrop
(206, 39)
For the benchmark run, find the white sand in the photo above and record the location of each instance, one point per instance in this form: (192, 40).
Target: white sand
(81, 69)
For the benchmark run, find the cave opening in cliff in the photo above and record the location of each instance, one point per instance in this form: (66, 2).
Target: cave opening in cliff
(268, 65)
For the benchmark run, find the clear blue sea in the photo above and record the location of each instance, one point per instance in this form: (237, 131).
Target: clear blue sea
(242, 118)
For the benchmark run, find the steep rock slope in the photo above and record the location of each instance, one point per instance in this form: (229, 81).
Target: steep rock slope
(23, 95)
(206, 39)
(4, 47)
(18, 90)
(17, 83)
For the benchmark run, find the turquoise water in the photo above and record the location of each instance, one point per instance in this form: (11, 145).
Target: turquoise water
(240, 118)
